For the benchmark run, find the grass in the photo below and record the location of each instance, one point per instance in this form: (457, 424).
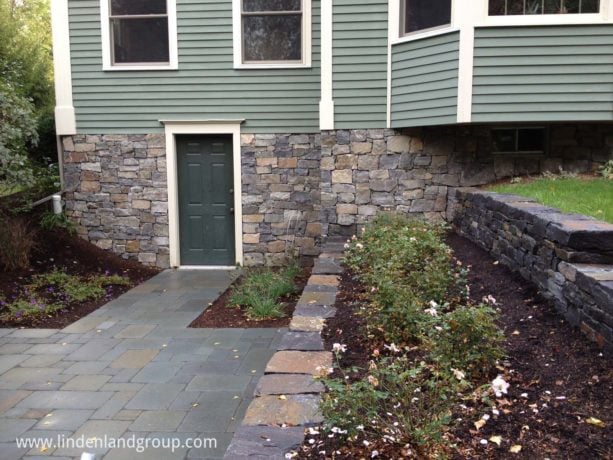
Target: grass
(592, 197)
(260, 291)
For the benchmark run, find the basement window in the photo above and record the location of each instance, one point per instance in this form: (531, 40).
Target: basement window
(424, 15)
(532, 140)
(139, 34)
(528, 7)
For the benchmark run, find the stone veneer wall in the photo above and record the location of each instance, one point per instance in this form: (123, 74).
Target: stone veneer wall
(116, 192)
(298, 188)
(413, 171)
(568, 256)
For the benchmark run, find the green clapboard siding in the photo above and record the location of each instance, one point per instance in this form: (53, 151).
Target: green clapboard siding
(205, 86)
(360, 63)
(425, 81)
(555, 73)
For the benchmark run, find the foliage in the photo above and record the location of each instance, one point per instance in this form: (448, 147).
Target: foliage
(590, 196)
(406, 265)
(17, 239)
(261, 289)
(51, 221)
(606, 170)
(49, 292)
(415, 294)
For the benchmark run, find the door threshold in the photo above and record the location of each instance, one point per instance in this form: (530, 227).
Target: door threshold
(207, 267)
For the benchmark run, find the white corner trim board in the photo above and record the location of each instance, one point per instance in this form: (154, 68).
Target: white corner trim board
(393, 34)
(65, 120)
(173, 128)
(464, 18)
(237, 38)
(105, 35)
(326, 104)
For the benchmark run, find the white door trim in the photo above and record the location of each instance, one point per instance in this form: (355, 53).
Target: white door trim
(172, 129)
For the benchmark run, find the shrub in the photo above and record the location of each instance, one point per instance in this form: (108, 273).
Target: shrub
(20, 309)
(52, 221)
(607, 170)
(17, 239)
(261, 288)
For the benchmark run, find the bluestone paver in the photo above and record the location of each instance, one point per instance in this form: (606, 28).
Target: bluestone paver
(133, 368)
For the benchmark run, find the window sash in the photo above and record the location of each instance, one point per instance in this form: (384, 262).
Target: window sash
(113, 18)
(562, 4)
(299, 13)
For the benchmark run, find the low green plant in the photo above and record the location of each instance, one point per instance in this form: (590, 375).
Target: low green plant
(261, 288)
(23, 308)
(72, 288)
(606, 170)
(52, 221)
(17, 239)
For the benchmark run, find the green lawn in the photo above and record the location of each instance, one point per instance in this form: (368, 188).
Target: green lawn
(593, 197)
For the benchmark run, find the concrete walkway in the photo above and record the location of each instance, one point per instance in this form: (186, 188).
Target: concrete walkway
(133, 370)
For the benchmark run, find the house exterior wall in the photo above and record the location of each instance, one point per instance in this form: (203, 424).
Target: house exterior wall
(205, 86)
(359, 58)
(425, 81)
(543, 73)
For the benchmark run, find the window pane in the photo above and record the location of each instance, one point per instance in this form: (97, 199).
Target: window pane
(503, 140)
(272, 38)
(126, 7)
(271, 5)
(590, 6)
(424, 14)
(515, 6)
(531, 140)
(571, 6)
(534, 6)
(553, 6)
(140, 40)
(496, 7)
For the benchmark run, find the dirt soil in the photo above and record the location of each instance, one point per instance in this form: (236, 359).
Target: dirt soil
(59, 250)
(559, 379)
(222, 314)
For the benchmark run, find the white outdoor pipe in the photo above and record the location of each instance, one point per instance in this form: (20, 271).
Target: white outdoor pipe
(57, 203)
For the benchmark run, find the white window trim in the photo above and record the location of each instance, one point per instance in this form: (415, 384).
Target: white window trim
(238, 41)
(605, 16)
(172, 128)
(107, 62)
(65, 120)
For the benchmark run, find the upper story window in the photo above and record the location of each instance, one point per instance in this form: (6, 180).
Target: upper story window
(526, 7)
(139, 34)
(422, 15)
(272, 33)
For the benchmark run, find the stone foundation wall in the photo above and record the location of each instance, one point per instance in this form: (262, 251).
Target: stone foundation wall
(568, 256)
(413, 171)
(281, 197)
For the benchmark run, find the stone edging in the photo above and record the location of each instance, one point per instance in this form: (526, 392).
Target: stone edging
(287, 396)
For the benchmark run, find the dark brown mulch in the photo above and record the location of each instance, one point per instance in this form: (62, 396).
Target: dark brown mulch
(58, 249)
(222, 314)
(545, 354)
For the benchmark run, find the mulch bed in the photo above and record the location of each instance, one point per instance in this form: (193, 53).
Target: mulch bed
(58, 249)
(222, 314)
(566, 377)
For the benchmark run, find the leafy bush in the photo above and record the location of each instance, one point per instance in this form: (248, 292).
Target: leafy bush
(261, 288)
(406, 265)
(607, 170)
(17, 239)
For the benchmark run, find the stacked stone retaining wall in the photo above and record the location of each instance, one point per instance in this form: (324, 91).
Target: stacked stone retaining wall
(568, 256)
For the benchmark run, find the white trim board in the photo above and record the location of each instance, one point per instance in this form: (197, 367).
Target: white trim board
(173, 128)
(65, 120)
(326, 104)
(237, 37)
(173, 54)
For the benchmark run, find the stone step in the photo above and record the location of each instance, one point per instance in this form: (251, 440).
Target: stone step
(292, 410)
(299, 362)
(316, 311)
(288, 384)
(327, 267)
(301, 341)
(264, 442)
(317, 298)
(306, 324)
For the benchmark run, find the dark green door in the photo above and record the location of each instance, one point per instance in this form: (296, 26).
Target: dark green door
(206, 200)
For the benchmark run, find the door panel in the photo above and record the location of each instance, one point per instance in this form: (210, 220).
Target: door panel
(206, 200)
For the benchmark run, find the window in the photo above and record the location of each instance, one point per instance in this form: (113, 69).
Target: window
(139, 34)
(419, 15)
(519, 140)
(274, 32)
(525, 7)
